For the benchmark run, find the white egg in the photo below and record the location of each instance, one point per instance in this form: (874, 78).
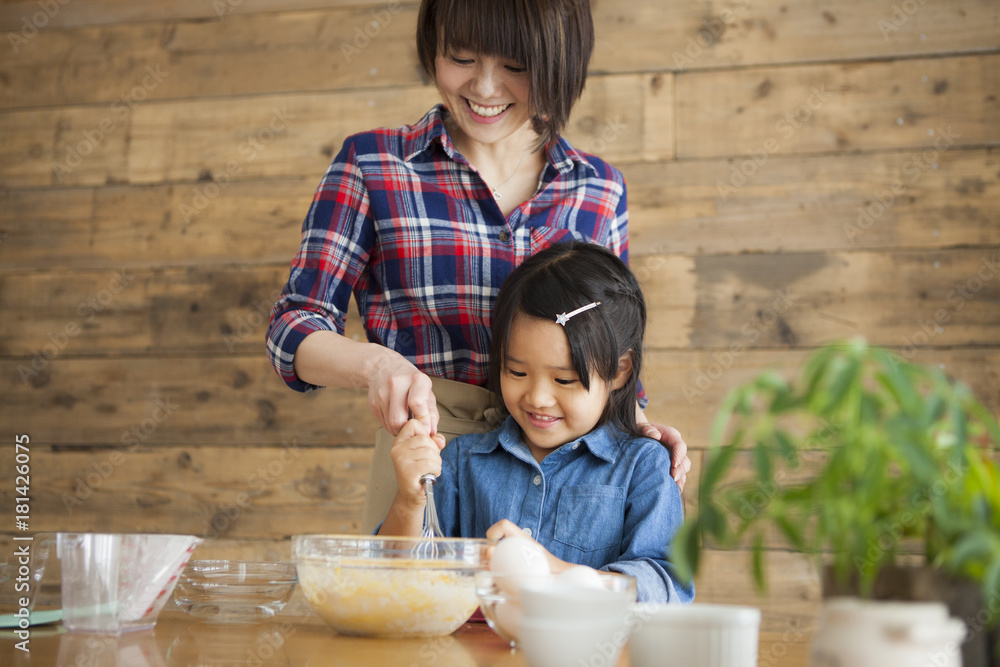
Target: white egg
(517, 561)
(580, 576)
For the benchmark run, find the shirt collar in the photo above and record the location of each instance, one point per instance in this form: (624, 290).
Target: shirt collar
(604, 442)
(564, 157)
(561, 155)
(426, 131)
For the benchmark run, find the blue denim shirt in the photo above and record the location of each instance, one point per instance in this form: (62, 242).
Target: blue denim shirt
(603, 501)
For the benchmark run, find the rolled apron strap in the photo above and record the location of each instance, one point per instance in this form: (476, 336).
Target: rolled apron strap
(464, 408)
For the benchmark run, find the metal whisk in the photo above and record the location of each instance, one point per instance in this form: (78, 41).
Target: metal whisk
(429, 546)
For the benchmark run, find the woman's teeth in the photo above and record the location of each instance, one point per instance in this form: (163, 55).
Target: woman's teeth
(487, 112)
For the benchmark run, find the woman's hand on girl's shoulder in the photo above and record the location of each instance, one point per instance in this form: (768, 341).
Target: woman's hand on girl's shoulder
(670, 438)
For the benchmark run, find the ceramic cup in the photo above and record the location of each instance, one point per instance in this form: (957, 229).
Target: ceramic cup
(871, 633)
(695, 635)
(572, 602)
(571, 643)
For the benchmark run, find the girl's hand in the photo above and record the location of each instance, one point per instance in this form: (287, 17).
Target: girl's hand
(415, 452)
(506, 528)
(670, 438)
(396, 390)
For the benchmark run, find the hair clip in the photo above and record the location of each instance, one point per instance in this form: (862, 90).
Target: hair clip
(563, 318)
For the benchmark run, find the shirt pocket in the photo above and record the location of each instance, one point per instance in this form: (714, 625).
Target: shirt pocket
(543, 237)
(590, 517)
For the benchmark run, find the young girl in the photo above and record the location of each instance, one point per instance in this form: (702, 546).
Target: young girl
(568, 466)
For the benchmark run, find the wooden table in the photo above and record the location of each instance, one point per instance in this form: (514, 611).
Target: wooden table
(293, 641)
(290, 641)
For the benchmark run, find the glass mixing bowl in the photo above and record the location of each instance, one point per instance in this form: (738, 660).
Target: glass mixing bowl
(386, 586)
(230, 591)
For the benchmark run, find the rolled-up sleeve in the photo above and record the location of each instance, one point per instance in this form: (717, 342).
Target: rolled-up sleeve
(337, 237)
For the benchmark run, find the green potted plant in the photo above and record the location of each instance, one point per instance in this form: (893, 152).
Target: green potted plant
(866, 461)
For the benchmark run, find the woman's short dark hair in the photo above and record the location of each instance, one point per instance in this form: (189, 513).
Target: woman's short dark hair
(553, 39)
(560, 279)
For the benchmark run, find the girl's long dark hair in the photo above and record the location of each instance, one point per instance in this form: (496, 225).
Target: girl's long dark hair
(561, 279)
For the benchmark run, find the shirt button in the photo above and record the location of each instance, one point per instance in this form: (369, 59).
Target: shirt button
(527, 531)
(537, 480)
(504, 235)
(575, 445)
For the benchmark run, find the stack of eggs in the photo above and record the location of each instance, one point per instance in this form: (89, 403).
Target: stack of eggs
(577, 614)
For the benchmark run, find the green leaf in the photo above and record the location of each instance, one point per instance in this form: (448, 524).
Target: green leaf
(712, 521)
(685, 551)
(991, 578)
(901, 389)
(758, 561)
(972, 546)
(791, 532)
(815, 370)
(923, 466)
(762, 463)
(718, 461)
(843, 380)
(786, 448)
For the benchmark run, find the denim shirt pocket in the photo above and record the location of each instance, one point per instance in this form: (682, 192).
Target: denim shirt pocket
(589, 517)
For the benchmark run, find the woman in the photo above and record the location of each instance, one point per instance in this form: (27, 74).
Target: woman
(423, 223)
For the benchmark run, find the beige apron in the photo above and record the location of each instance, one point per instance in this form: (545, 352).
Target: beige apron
(464, 408)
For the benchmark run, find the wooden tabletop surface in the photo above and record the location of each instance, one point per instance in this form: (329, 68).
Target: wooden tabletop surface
(295, 641)
(290, 641)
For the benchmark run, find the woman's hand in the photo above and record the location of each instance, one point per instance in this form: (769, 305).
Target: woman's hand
(397, 390)
(670, 438)
(506, 528)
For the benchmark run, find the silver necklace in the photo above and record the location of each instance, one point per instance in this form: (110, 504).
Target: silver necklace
(496, 190)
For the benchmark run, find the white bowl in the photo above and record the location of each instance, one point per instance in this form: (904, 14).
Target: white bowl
(695, 635)
(571, 643)
(570, 602)
(500, 598)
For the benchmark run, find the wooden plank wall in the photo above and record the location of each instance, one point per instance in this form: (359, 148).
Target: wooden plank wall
(799, 173)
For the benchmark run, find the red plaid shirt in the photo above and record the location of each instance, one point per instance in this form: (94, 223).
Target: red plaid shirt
(406, 224)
